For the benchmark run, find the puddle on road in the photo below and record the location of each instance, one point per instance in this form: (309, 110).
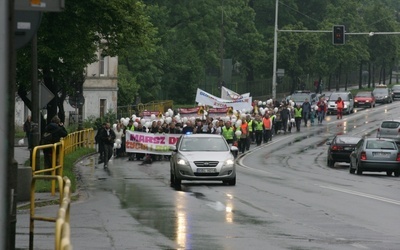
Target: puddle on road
(173, 213)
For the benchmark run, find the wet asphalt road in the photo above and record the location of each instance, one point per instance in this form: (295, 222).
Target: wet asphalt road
(285, 198)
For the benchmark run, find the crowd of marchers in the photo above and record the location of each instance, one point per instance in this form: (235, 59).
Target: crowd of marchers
(240, 129)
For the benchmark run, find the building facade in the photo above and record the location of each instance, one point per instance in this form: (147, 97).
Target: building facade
(100, 91)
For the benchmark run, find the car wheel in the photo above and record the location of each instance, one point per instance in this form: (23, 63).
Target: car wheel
(351, 169)
(331, 163)
(397, 173)
(172, 179)
(231, 182)
(389, 173)
(358, 170)
(372, 105)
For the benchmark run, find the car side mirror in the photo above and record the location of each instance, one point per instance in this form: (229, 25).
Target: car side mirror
(173, 148)
(328, 143)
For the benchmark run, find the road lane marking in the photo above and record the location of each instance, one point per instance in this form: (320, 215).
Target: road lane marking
(370, 196)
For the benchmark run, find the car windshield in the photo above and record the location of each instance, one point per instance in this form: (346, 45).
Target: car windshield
(380, 91)
(299, 97)
(347, 140)
(363, 94)
(335, 96)
(380, 145)
(396, 87)
(390, 124)
(203, 144)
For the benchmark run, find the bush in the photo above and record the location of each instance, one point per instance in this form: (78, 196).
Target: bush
(96, 123)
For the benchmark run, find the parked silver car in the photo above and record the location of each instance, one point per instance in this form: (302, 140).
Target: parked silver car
(347, 98)
(375, 155)
(202, 157)
(389, 129)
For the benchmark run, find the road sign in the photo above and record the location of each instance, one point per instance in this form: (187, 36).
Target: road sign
(26, 25)
(45, 96)
(40, 5)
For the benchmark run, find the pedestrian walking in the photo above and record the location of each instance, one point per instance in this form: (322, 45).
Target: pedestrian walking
(267, 125)
(306, 107)
(298, 111)
(108, 138)
(28, 130)
(339, 105)
(322, 108)
(258, 129)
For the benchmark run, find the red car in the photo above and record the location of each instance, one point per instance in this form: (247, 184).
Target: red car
(364, 99)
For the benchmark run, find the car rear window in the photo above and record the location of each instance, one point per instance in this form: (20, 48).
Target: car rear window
(380, 145)
(347, 140)
(390, 124)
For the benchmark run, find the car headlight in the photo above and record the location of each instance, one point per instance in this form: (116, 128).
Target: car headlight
(229, 162)
(345, 106)
(182, 161)
(366, 100)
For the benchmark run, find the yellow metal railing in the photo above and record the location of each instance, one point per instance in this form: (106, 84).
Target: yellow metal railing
(62, 220)
(57, 161)
(83, 138)
(69, 144)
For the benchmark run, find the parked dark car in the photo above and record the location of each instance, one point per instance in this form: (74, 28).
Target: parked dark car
(375, 155)
(340, 148)
(347, 98)
(396, 91)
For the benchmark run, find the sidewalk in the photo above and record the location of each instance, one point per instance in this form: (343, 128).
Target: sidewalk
(91, 214)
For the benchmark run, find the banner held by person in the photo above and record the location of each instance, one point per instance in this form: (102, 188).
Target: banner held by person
(148, 143)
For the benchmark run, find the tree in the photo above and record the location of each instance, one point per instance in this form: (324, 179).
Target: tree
(67, 42)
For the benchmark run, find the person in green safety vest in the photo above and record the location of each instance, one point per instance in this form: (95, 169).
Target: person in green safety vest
(228, 132)
(250, 138)
(258, 129)
(297, 116)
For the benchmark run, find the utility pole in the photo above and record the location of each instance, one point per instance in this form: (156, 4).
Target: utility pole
(275, 50)
(221, 47)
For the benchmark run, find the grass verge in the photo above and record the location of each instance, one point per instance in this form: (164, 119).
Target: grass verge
(69, 170)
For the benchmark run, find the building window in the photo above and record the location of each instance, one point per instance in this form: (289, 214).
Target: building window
(103, 106)
(102, 65)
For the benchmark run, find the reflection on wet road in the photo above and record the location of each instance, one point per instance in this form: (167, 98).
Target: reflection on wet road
(279, 201)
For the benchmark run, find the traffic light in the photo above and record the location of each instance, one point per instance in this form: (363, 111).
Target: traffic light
(338, 37)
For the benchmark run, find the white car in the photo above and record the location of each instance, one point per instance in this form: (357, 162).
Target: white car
(202, 157)
(347, 98)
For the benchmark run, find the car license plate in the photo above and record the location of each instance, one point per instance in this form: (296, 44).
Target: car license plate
(361, 103)
(348, 148)
(206, 170)
(381, 154)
